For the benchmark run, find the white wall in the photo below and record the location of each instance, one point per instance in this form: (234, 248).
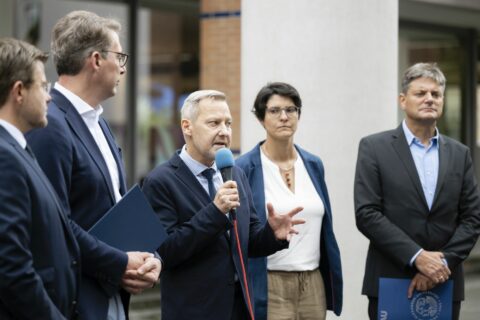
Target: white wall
(6, 18)
(342, 57)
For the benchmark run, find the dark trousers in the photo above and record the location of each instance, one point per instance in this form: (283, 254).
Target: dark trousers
(239, 311)
(373, 309)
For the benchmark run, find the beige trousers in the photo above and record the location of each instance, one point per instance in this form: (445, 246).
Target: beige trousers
(296, 295)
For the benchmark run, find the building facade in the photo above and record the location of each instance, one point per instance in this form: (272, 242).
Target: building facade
(344, 57)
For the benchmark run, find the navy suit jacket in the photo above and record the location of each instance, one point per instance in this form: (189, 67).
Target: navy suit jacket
(72, 161)
(42, 251)
(330, 264)
(392, 212)
(199, 261)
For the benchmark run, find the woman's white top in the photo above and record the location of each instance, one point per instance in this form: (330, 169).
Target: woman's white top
(303, 253)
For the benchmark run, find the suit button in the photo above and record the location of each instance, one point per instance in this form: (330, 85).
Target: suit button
(74, 302)
(74, 263)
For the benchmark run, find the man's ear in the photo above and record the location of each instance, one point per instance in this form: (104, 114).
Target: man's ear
(95, 59)
(186, 127)
(17, 93)
(402, 100)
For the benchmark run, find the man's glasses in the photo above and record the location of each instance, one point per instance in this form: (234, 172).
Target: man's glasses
(277, 111)
(46, 86)
(121, 57)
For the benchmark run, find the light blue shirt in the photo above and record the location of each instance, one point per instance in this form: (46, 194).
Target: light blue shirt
(197, 168)
(426, 162)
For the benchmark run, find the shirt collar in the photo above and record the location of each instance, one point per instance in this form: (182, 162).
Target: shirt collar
(14, 132)
(196, 167)
(83, 108)
(411, 138)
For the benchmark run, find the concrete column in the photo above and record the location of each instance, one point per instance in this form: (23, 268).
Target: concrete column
(342, 57)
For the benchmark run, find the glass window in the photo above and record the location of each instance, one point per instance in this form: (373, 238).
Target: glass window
(167, 71)
(34, 22)
(444, 49)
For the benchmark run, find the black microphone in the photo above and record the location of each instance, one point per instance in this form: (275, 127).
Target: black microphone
(225, 162)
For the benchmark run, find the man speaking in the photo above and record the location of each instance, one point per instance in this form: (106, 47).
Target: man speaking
(205, 257)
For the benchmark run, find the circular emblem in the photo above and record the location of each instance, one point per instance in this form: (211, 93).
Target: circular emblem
(426, 306)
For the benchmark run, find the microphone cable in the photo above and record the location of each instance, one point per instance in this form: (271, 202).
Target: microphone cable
(244, 273)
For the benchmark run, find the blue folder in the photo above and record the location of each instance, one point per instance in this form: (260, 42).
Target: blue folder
(394, 304)
(131, 225)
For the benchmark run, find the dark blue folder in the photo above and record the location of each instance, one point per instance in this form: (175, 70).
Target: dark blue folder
(393, 302)
(131, 225)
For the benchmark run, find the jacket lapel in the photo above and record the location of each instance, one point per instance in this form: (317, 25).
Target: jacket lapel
(444, 155)
(400, 145)
(188, 179)
(80, 129)
(255, 177)
(41, 176)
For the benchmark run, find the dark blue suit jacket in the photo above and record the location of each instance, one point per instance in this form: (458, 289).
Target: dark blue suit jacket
(74, 165)
(42, 250)
(199, 261)
(330, 265)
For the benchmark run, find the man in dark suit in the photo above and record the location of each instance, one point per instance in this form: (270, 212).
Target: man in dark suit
(204, 276)
(42, 251)
(77, 150)
(416, 196)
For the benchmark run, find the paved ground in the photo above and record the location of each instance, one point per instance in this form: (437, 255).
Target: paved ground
(147, 305)
(471, 305)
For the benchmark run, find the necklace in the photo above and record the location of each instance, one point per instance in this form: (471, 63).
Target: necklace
(287, 177)
(287, 169)
(284, 172)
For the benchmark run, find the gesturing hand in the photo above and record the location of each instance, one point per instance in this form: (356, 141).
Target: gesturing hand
(283, 224)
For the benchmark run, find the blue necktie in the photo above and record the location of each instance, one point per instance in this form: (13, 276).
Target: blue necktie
(208, 174)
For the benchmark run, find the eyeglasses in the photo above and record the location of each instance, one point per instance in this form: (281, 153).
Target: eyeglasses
(121, 57)
(46, 86)
(277, 111)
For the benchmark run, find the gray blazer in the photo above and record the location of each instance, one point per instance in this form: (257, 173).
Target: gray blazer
(392, 212)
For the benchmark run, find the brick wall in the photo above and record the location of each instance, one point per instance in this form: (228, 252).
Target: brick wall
(220, 54)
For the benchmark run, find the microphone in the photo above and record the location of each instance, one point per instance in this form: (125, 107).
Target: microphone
(225, 162)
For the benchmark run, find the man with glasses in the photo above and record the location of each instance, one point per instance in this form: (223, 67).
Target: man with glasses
(42, 252)
(77, 150)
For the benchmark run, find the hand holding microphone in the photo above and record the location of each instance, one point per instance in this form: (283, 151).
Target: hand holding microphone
(226, 198)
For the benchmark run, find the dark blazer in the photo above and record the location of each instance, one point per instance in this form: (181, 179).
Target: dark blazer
(199, 261)
(72, 161)
(392, 212)
(42, 251)
(330, 264)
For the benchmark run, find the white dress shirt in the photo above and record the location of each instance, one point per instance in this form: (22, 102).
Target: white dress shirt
(90, 116)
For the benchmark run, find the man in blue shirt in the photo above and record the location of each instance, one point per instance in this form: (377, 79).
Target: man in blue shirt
(416, 196)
